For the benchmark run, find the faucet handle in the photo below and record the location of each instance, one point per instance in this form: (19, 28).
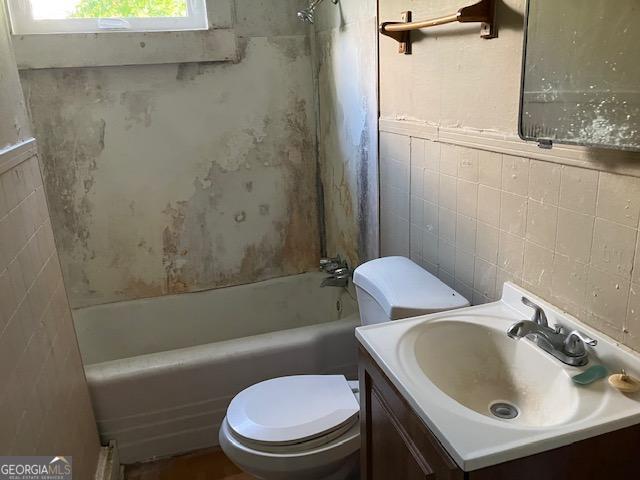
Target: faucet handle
(326, 261)
(575, 342)
(538, 316)
(341, 271)
(330, 264)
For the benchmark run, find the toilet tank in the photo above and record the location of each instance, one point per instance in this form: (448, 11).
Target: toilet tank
(391, 288)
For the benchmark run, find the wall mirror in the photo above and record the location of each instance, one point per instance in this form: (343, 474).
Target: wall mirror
(581, 73)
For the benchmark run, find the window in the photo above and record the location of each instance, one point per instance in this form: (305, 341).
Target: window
(90, 16)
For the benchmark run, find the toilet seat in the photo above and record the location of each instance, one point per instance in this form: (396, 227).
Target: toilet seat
(294, 413)
(297, 448)
(313, 463)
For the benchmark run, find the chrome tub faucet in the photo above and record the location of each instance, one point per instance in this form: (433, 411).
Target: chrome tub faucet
(338, 271)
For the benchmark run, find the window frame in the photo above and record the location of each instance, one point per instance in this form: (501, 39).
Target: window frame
(23, 23)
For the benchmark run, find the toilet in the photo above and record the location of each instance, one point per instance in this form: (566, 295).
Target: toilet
(307, 426)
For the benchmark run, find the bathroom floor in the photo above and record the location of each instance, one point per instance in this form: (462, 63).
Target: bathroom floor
(203, 465)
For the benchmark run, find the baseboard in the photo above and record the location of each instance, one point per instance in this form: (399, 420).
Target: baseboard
(109, 467)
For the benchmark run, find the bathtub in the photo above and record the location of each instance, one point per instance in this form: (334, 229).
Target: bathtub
(162, 371)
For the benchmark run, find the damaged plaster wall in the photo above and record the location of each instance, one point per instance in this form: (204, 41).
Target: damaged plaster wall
(174, 178)
(345, 46)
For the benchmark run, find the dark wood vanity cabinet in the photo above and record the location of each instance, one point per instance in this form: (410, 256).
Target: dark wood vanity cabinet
(397, 445)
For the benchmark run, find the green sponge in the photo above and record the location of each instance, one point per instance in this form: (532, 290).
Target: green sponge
(590, 375)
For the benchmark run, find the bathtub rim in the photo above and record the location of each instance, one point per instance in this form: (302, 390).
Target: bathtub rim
(156, 363)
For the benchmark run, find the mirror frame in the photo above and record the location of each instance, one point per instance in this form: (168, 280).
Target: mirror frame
(547, 143)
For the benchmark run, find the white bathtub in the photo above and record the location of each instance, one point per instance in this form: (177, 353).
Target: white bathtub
(162, 371)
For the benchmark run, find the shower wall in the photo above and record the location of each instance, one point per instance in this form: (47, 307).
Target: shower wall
(173, 178)
(345, 55)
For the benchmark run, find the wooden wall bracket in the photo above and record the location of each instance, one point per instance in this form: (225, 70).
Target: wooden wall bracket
(483, 12)
(402, 37)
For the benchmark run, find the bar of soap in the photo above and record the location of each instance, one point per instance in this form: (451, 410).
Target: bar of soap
(590, 375)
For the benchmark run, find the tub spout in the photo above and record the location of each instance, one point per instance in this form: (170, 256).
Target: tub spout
(336, 281)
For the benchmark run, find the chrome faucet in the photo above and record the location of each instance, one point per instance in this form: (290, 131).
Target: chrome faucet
(338, 271)
(569, 348)
(539, 316)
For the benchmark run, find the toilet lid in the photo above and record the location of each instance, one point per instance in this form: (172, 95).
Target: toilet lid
(289, 410)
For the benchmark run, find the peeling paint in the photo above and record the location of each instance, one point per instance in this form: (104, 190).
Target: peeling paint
(190, 257)
(172, 178)
(207, 173)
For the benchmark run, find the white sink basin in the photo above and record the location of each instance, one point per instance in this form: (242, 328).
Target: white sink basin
(478, 366)
(454, 366)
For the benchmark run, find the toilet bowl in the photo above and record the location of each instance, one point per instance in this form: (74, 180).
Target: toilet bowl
(299, 427)
(336, 460)
(306, 427)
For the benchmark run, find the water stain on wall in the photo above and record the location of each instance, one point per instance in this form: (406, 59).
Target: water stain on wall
(196, 237)
(73, 208)
(176, 178)
(139, 288)
(140, 105)
(290, 47)
(364, 209)
(347, 143)
(72, 145)
(191, 71)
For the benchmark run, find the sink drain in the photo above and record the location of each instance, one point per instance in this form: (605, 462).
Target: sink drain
(503, 410)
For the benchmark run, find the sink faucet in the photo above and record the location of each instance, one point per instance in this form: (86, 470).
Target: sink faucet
(539, 316)
(338, 271)
(569, 348)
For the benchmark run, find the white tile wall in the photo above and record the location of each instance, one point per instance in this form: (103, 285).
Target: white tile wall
(477, 219)
(44, 400)
(395, 153)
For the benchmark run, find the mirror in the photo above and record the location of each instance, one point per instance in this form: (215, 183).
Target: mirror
(581, 73)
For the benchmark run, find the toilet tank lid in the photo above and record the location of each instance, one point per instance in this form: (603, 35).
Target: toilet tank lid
(403, 288)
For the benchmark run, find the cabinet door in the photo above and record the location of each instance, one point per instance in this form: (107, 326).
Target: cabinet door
(392, 455)
(396, 444)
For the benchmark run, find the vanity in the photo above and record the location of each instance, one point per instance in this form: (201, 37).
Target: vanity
(453, 396)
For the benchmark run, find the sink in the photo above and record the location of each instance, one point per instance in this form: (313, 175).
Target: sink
(480, 367)
(489, 398)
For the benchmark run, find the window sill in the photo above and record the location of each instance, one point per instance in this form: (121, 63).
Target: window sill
(123, 48)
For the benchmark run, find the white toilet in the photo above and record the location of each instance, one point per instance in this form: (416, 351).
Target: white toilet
(306, 427)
